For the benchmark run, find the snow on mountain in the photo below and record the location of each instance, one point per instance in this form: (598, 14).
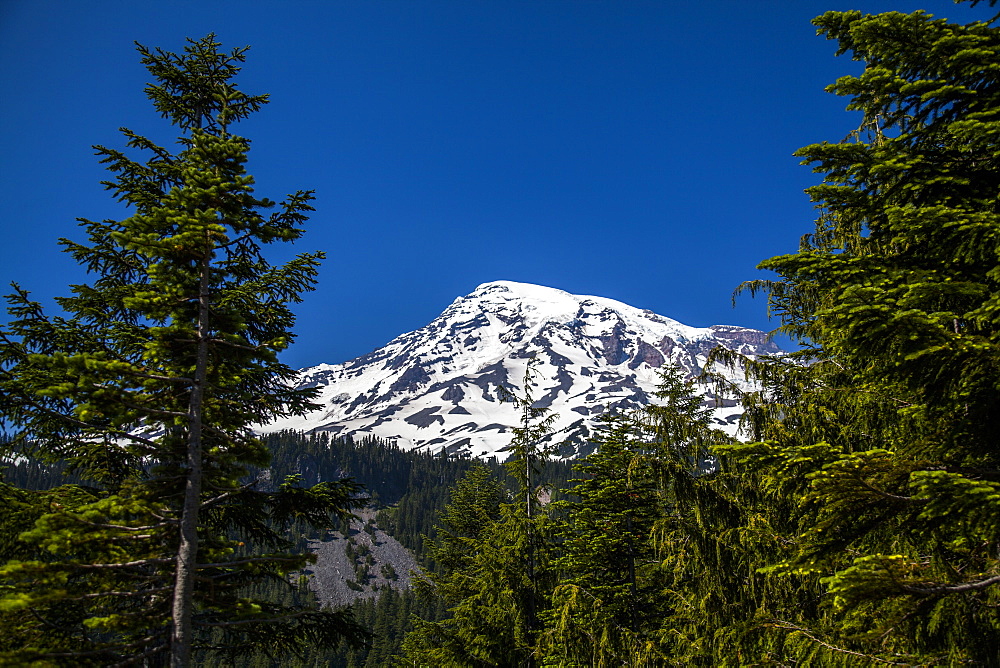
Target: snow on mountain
(436, 387)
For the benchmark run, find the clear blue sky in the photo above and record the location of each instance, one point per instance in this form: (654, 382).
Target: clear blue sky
(629, 149)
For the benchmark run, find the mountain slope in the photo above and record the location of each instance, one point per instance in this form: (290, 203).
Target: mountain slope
(436, 387)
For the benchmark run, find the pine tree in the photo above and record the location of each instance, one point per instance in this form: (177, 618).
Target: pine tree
(719, 529)
(149, 386)
(493, 555)
(884, 438)
(478, 580)
(602, 606)
(528, 452)
(473, 506)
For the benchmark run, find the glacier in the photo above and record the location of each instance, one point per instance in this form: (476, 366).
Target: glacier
(436, 387)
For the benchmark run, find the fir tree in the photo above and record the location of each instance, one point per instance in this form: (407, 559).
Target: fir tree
(149, 385)
(602, 605)
(495, 576)
(528, 452)
(885, 438)
(479, 582)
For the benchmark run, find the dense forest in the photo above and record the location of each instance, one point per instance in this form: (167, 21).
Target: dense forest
(409, 489)
(857, 522)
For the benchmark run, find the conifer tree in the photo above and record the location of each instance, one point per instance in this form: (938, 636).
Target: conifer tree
(149, 386)
(528, 451)
(718, 530)
(886, 438)
(602, 605)
(495, 581)
(477, 631)
(473, 506)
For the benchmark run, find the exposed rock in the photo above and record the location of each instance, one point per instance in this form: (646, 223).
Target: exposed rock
(333, 569)
(425, 418)
(437, 385)
(648, 355)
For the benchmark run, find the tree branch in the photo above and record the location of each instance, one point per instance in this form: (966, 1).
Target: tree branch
(119, 526)
(259, 560)
(124, 594)
(271, 620)
(126, 564)
(151, 445)
(169, 379)
(216, 499)
(952, 589)
(793, 627)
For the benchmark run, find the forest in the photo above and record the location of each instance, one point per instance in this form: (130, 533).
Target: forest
(856, 522)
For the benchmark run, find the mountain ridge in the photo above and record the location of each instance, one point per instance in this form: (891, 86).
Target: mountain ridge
(436, 387)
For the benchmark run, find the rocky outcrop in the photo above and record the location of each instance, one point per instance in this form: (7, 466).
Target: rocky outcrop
(359, 564)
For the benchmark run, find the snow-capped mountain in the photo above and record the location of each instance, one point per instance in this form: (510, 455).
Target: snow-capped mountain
(436, 387)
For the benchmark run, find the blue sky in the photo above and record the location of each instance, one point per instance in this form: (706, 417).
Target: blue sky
(628, 149)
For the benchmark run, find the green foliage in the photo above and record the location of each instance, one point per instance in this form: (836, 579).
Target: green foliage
(601, 606)
(527, 453)
(482, 580)
(473, 507)
(882, 438)
(148, 385)
(586, 585)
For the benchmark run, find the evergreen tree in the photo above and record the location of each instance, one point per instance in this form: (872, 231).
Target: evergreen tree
(493, 557)
(480, 583)
(718, 530)
(644, 549)
(473, 506)
(149, 385)
(884, 440)
(602, 606)
(528, 453)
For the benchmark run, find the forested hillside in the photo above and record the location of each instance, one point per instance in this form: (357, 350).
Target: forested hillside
(408, 489)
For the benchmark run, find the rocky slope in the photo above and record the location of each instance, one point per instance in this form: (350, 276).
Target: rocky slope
(374, 561)
(436, 387)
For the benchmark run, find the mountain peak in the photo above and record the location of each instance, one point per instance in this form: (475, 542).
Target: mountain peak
(436, 387)
(524, 291)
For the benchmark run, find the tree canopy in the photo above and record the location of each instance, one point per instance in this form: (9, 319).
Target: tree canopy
(885, 436)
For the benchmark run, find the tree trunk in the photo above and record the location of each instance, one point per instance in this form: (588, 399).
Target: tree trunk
(187, 552)
(632, 589)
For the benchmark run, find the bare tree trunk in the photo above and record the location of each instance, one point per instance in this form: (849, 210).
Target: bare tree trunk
(632, 589)
(529, 449)
(187, 552)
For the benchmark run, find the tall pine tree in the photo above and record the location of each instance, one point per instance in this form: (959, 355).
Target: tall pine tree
(494, 557)
(149, 385)
(602, 607)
